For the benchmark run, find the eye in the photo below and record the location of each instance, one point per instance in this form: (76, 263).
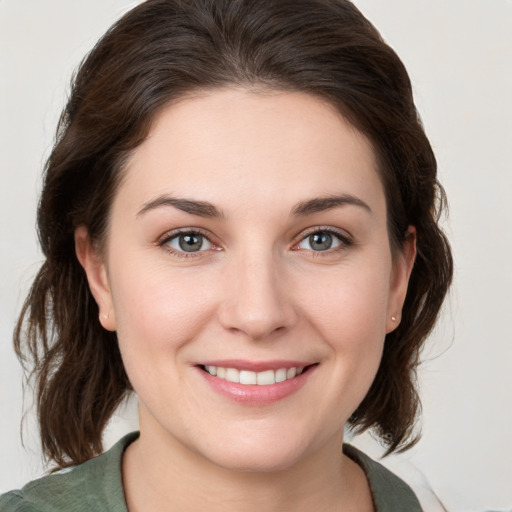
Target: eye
(322, 240)
(189, 241)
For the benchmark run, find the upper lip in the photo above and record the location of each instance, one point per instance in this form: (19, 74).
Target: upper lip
(256, 366)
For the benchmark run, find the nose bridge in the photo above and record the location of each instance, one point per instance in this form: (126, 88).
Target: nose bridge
(258, 303)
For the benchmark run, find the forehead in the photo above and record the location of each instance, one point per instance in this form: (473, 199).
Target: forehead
(240, 147)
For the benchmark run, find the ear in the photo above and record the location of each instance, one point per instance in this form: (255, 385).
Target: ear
(96, 272)
(402, 267)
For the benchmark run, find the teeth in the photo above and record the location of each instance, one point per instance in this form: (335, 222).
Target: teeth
(264, 378)
(281, 375)
(248, 377)
(232, 375)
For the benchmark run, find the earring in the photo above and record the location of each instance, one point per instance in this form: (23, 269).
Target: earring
(393, 318)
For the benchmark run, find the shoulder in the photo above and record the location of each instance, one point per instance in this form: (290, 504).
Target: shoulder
(93, 485)
(390, 493)
(14, 502)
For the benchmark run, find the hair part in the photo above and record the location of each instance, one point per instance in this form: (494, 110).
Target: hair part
(157, 53)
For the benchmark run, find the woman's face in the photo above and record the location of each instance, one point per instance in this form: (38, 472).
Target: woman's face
(248, 239)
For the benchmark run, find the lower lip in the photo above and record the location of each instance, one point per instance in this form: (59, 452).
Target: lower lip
(254, 394)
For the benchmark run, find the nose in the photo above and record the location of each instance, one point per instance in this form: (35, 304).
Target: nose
(258, 301)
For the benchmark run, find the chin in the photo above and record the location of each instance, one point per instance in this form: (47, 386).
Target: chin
(259, 452)
(259, 460)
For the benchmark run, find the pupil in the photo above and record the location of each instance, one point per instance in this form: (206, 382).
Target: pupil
(320, 241)
(190, 243)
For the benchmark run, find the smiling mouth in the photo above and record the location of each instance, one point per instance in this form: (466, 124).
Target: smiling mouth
(264, 378)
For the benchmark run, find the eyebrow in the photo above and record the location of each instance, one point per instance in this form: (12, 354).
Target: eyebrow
(200, 208)
(321, 204)
(206, 209)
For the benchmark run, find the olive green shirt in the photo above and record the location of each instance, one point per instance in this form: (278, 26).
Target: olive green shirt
(96, 486)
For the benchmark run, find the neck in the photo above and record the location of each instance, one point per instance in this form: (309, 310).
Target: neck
(161, 474)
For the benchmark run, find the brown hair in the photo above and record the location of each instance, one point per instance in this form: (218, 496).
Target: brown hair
(160, 51)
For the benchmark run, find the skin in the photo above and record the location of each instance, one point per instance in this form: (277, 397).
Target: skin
(257, 290)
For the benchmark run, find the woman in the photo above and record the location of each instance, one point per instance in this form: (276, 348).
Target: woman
(239, 219)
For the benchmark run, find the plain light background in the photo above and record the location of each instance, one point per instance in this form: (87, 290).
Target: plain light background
(459, 56)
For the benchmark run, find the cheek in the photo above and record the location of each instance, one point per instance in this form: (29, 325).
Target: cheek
(349, 312)
(158, 311)
(348, 301)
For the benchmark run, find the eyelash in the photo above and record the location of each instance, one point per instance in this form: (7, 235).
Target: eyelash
(345, 241)
(168, 237)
